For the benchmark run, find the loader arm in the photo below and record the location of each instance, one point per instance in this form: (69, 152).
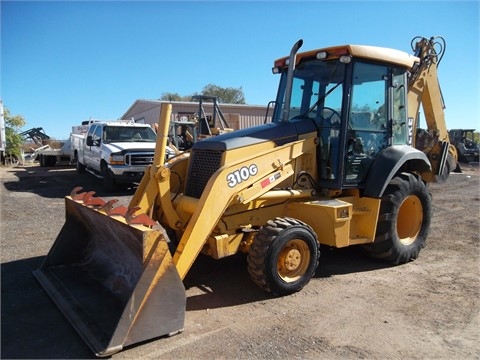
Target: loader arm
(271, 164)
(155, 186)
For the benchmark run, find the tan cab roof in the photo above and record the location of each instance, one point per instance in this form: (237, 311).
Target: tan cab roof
(376, 53)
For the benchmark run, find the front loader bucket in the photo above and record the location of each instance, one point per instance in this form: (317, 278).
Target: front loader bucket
(116, 283)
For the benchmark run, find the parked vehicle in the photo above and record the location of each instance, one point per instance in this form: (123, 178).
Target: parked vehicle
(47, 154)
(115, 151)
(468, 148)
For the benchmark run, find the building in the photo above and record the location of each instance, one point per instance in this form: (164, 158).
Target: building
(237, 116)
(3, 140)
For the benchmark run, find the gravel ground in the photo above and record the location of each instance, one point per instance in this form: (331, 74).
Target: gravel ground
(353, 308)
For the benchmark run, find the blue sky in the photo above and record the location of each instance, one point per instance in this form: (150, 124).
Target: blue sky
(64, 62)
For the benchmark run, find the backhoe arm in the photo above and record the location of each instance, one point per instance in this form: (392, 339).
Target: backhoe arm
(424, 89)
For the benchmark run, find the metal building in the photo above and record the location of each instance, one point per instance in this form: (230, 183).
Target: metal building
(238, 116)
(3, 141)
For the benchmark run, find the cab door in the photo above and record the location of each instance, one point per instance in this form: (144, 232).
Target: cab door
(367, 133)
(87, 148)
(92, 149)
(96, 148)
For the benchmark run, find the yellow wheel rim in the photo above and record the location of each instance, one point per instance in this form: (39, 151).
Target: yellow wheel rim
(293, 260)
(410, 218)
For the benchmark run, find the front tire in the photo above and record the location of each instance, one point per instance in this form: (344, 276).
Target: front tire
(283, 256)
(109, 183)
(404, 220)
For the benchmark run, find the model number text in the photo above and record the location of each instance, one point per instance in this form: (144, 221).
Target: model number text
(242, 174)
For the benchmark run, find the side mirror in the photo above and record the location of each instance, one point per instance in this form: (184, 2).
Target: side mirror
(89, 140)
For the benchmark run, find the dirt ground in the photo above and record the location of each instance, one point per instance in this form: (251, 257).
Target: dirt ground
(353, 308)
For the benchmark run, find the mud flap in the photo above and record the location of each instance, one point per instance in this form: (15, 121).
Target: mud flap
(115, 283)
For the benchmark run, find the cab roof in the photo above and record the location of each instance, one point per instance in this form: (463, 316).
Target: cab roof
(387, 55)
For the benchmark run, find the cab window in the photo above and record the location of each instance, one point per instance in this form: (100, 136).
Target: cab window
(399, 113)
(367, 132)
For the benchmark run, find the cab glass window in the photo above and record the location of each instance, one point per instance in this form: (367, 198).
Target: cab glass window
(367, 132)
(97, 135)
(399, 115)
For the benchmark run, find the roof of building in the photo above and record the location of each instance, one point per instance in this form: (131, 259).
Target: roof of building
(142, 105)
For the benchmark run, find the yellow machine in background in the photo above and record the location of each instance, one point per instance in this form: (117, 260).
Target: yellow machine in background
(336, 167)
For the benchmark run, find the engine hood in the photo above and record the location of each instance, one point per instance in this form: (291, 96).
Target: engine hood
(279, 133)
(129, 146)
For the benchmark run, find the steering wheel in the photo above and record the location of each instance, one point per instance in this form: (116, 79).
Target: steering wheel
(329, 118)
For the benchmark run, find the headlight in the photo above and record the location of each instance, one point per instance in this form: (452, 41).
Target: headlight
(116, 160)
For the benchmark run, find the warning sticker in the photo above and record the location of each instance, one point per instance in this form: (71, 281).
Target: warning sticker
(270, 180)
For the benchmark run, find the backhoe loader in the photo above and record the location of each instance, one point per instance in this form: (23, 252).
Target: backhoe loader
(337, 166)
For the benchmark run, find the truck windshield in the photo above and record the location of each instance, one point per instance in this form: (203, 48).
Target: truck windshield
(316, 91)
(128, 134)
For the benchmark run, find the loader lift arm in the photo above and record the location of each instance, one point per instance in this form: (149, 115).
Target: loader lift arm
(217, 196)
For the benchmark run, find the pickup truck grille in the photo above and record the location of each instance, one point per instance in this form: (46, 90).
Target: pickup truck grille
(203, 164)
(139, 159)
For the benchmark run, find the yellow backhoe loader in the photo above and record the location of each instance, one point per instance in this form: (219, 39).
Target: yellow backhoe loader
(336, 166)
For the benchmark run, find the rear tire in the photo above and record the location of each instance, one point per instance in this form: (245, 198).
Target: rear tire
(78, 165)
(404, 220)
(284, 256)
(51, 160)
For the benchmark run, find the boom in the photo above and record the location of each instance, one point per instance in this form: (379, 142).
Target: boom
(424, 89)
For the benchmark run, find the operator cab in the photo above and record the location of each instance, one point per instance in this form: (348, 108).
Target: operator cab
(358, 106)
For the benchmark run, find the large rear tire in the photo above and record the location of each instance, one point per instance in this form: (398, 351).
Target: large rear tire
(404, 220)
(283, 256)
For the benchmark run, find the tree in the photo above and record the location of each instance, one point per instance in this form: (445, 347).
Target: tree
(227, 95)
(168, 96)
(12, 137)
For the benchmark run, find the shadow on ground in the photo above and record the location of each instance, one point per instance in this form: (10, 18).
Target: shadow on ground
(58, 182)
(32, 327)
(226, 282)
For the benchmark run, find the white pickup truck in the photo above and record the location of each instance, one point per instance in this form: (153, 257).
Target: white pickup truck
(117, 151)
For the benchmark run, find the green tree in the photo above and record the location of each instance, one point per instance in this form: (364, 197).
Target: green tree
(168, 96)
(228, 95)
(12, 136)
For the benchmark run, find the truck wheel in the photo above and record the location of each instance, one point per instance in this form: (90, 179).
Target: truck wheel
(78, 165)
(283, 256)
(108, 180)
(404, 220)
(41, 160)
(51, 160)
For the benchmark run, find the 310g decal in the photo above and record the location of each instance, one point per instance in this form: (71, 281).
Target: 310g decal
(242, 174)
